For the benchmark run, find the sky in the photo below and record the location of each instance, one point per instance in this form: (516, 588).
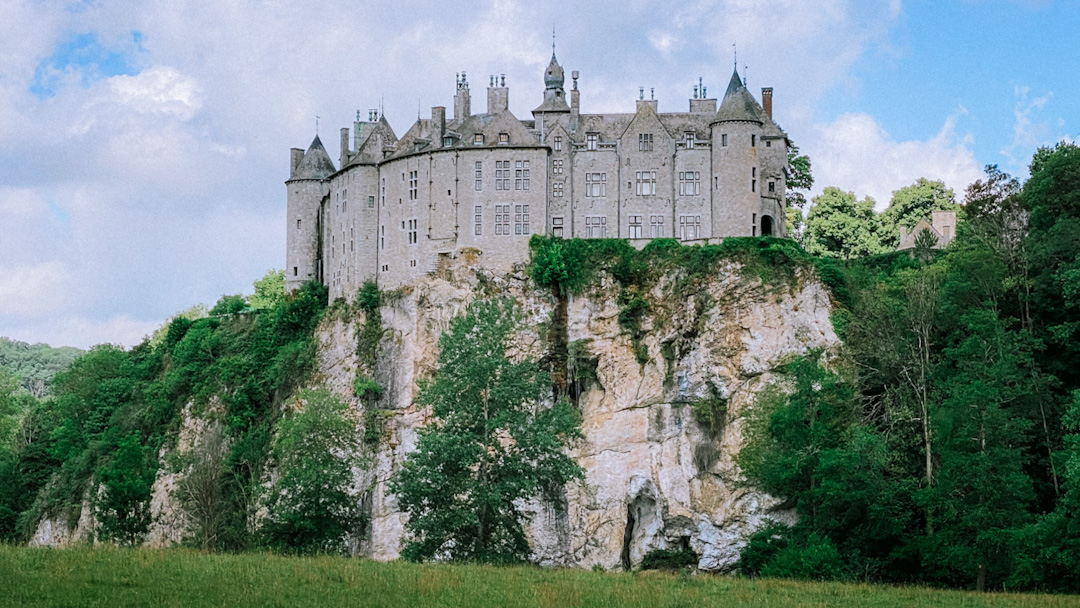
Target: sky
(144, 145)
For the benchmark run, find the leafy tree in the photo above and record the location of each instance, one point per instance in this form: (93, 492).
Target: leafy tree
(35, 364)
(911, 204)
(123, 510)
(269, 291)
(838, 226)
(312, 507)
(229, 305)
(492, 444)
(800, 180)
(201, 489)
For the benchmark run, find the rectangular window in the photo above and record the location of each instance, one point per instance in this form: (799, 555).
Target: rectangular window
(596, 184)
(386, 268)
(478, 176)
(382, 193)
(557, 189)
(753, 228)
(295, 271)
(352, 239)
(502, 175)
(595, 227)
(635, 227)
(382, 237)
(772, 186)
(558, 143)
(504, 138)
(478, 220)
(298, 224)
(344, 206)
(689, 183)
(412, 263)
(689, 140)
(478, 139)
(591, 140)
(413, 185)
(557, 166)
(723, 139)
(521, 175)
(411, 230)
(557, 227)
(768, 143)
(656, 226)
(644, 142)
(689, 227)
(646, 183)
(521, 219)
(502, 219)
(753, 185)
(371, 202)
(753, 141)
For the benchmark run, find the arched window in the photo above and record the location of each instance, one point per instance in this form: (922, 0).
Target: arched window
(766, 226)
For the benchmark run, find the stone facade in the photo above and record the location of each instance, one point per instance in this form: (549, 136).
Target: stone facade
(699, 175)
(942, 226)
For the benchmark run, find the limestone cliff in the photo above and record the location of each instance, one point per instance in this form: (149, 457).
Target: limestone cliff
(656, 476)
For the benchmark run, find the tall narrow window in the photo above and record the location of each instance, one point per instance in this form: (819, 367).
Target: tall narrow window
(656, 226)
(753, 228)
(382, 237)
(753, 141)
(591, 140)
(557, 227)
(723, 139)
(478, 176)
(411, 229)
(382, 193)
(635, 227)
(521, 219)
(502, 219)
(478, 220)
(772, 186)
(413, 181)
(521, 175)
(558, 143)
(502, 175)
(371, 202)
(298, 224)
(689, 140)
(644, 142)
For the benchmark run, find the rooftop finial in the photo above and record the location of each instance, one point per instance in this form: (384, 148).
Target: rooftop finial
(317, 124)
(735, 51)
(552, 40)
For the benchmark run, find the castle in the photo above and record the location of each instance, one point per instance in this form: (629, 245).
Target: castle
(696, 176)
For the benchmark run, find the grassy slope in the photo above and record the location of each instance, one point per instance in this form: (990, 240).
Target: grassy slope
(115, 577)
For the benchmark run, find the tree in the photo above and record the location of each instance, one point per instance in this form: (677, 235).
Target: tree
(911, 204)
(492, 444)
(312, 507)
(201, 489)
(838, 226)
(799, 180)
(269, 291)
(123, 509)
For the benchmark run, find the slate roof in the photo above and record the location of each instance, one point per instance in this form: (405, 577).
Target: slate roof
(739, 104)
(316, 163)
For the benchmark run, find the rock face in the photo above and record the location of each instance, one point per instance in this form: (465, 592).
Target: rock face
(655, 477)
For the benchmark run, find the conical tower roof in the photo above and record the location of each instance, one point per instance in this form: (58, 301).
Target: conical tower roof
(316, 163)
(739, 104)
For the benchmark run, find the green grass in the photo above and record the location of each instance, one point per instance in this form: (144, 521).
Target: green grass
(144, 577)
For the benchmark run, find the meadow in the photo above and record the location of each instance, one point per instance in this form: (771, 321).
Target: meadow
(106, 576)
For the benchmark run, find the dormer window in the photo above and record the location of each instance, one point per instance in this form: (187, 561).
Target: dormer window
(689, 140)
(504, 138)
(590, 140)
(478, 139)
(447, 141)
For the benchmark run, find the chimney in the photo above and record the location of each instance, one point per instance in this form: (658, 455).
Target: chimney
(575, 102)
(295, 156)
(344, 160)
(462, 109)
(438, 122)
(766, 100)
(498, 96)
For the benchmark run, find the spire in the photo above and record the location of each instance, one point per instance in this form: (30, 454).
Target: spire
(735, 84)
(316, 163)
(738, 104)
(553, 43)
(553, 76)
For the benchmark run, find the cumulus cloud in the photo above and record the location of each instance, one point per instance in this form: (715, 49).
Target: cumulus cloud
(855, 153)
(158, 90)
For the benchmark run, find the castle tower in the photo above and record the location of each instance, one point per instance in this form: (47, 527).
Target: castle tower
(307, 185)
(736, 166)
(554, 96)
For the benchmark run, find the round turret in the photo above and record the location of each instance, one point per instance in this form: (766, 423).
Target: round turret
(553, 76)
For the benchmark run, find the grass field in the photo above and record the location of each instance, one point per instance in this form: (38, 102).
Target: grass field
(116, 577)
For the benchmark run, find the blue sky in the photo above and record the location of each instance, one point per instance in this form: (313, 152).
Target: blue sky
(143, 145)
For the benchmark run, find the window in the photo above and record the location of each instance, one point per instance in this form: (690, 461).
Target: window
(689, 140)
(295, 270)
(504, 138)
(386, 268)
(344, 206)
(557, 227)
(478, 176)
(689, 183)
(411, 231)
(635, 227)
(502, 219)
(689, 227)
(753, 140)
(298, 224)
(753, 182)
(478, 220)
(521, 219)
(753, 228)
(502, 175)
(644, 142)
(772, 186)
(558, 143)
(557, 189)
(382, 237)
(412, 185)
(412, 263)
(768, 143)
(596, 184)
(557, 166)
(521, 175)
(723, 139)
(478, 139)
(646, 183)
(352, 239)
(590, 140)
(371, 202)
(656, 226)
(447, 141)
(595, 227)
(382, 192)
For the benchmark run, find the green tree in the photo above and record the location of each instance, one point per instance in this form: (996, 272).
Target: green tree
(838, 226)
(492, 444)
(800, 180)
(123, 509)
(312, 507)
(269, 291)
(911, 204)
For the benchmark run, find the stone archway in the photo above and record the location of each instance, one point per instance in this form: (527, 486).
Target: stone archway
(766, 225)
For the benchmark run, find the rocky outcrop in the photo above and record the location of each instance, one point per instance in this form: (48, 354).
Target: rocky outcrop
(656, 476)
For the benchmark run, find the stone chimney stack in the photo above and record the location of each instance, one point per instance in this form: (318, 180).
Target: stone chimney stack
(575, 102)
(344, 159)
(462, 109)
(766, 100)
(498, 95)
(438, 122)
(295, 156)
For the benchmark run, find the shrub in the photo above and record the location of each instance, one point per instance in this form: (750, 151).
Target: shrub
(669, 559)
(816, 558)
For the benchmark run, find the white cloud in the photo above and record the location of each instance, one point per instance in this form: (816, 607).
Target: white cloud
(33, 290)
(158, 90)
(854, 153)
(1028, 133)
